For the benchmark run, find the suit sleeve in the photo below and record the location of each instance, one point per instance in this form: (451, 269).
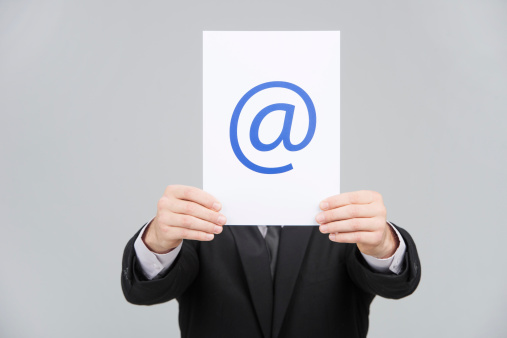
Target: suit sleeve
(137, 289)
(387, 285)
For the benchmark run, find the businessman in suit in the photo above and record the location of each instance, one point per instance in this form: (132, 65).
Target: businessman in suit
(231, 282)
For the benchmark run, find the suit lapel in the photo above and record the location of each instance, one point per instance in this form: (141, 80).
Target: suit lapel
(254, 257)
(291, 251)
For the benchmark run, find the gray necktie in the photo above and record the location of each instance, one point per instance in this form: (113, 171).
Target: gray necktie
(272, 238)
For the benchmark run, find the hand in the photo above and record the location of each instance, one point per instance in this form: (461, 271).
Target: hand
(358, 217)
(183, 212)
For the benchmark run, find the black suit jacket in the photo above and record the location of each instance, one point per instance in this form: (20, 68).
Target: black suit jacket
(225, 289)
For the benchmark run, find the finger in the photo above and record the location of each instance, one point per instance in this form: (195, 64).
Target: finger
(348, 212)
(362, 237)
(191, 223)
(194, 194)
(354, 197)
(196, 235)
(350, 225)
(196, 210)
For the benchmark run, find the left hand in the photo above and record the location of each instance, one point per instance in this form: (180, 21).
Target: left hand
(358, 217)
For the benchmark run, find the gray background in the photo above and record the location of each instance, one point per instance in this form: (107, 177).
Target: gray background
(101, 105)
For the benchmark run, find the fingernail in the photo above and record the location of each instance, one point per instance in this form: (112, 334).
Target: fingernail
(217, 206)
(320, 218)
(209, 237)
(332, 237)
(218, 229)
(323, 228)
(324, 205)
(221, 220)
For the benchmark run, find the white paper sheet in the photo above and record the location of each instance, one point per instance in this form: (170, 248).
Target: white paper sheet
(264, 168)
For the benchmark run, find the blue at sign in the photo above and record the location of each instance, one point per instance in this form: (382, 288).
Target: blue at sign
(285, 133)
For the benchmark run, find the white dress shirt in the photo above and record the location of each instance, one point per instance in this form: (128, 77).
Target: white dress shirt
(153, 263)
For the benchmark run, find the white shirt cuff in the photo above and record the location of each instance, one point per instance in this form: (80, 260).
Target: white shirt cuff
(153, 263)
(393, 263)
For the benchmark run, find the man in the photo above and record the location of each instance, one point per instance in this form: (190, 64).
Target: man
(322, 284)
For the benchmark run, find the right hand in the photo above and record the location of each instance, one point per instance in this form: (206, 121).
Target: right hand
(183, 212)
